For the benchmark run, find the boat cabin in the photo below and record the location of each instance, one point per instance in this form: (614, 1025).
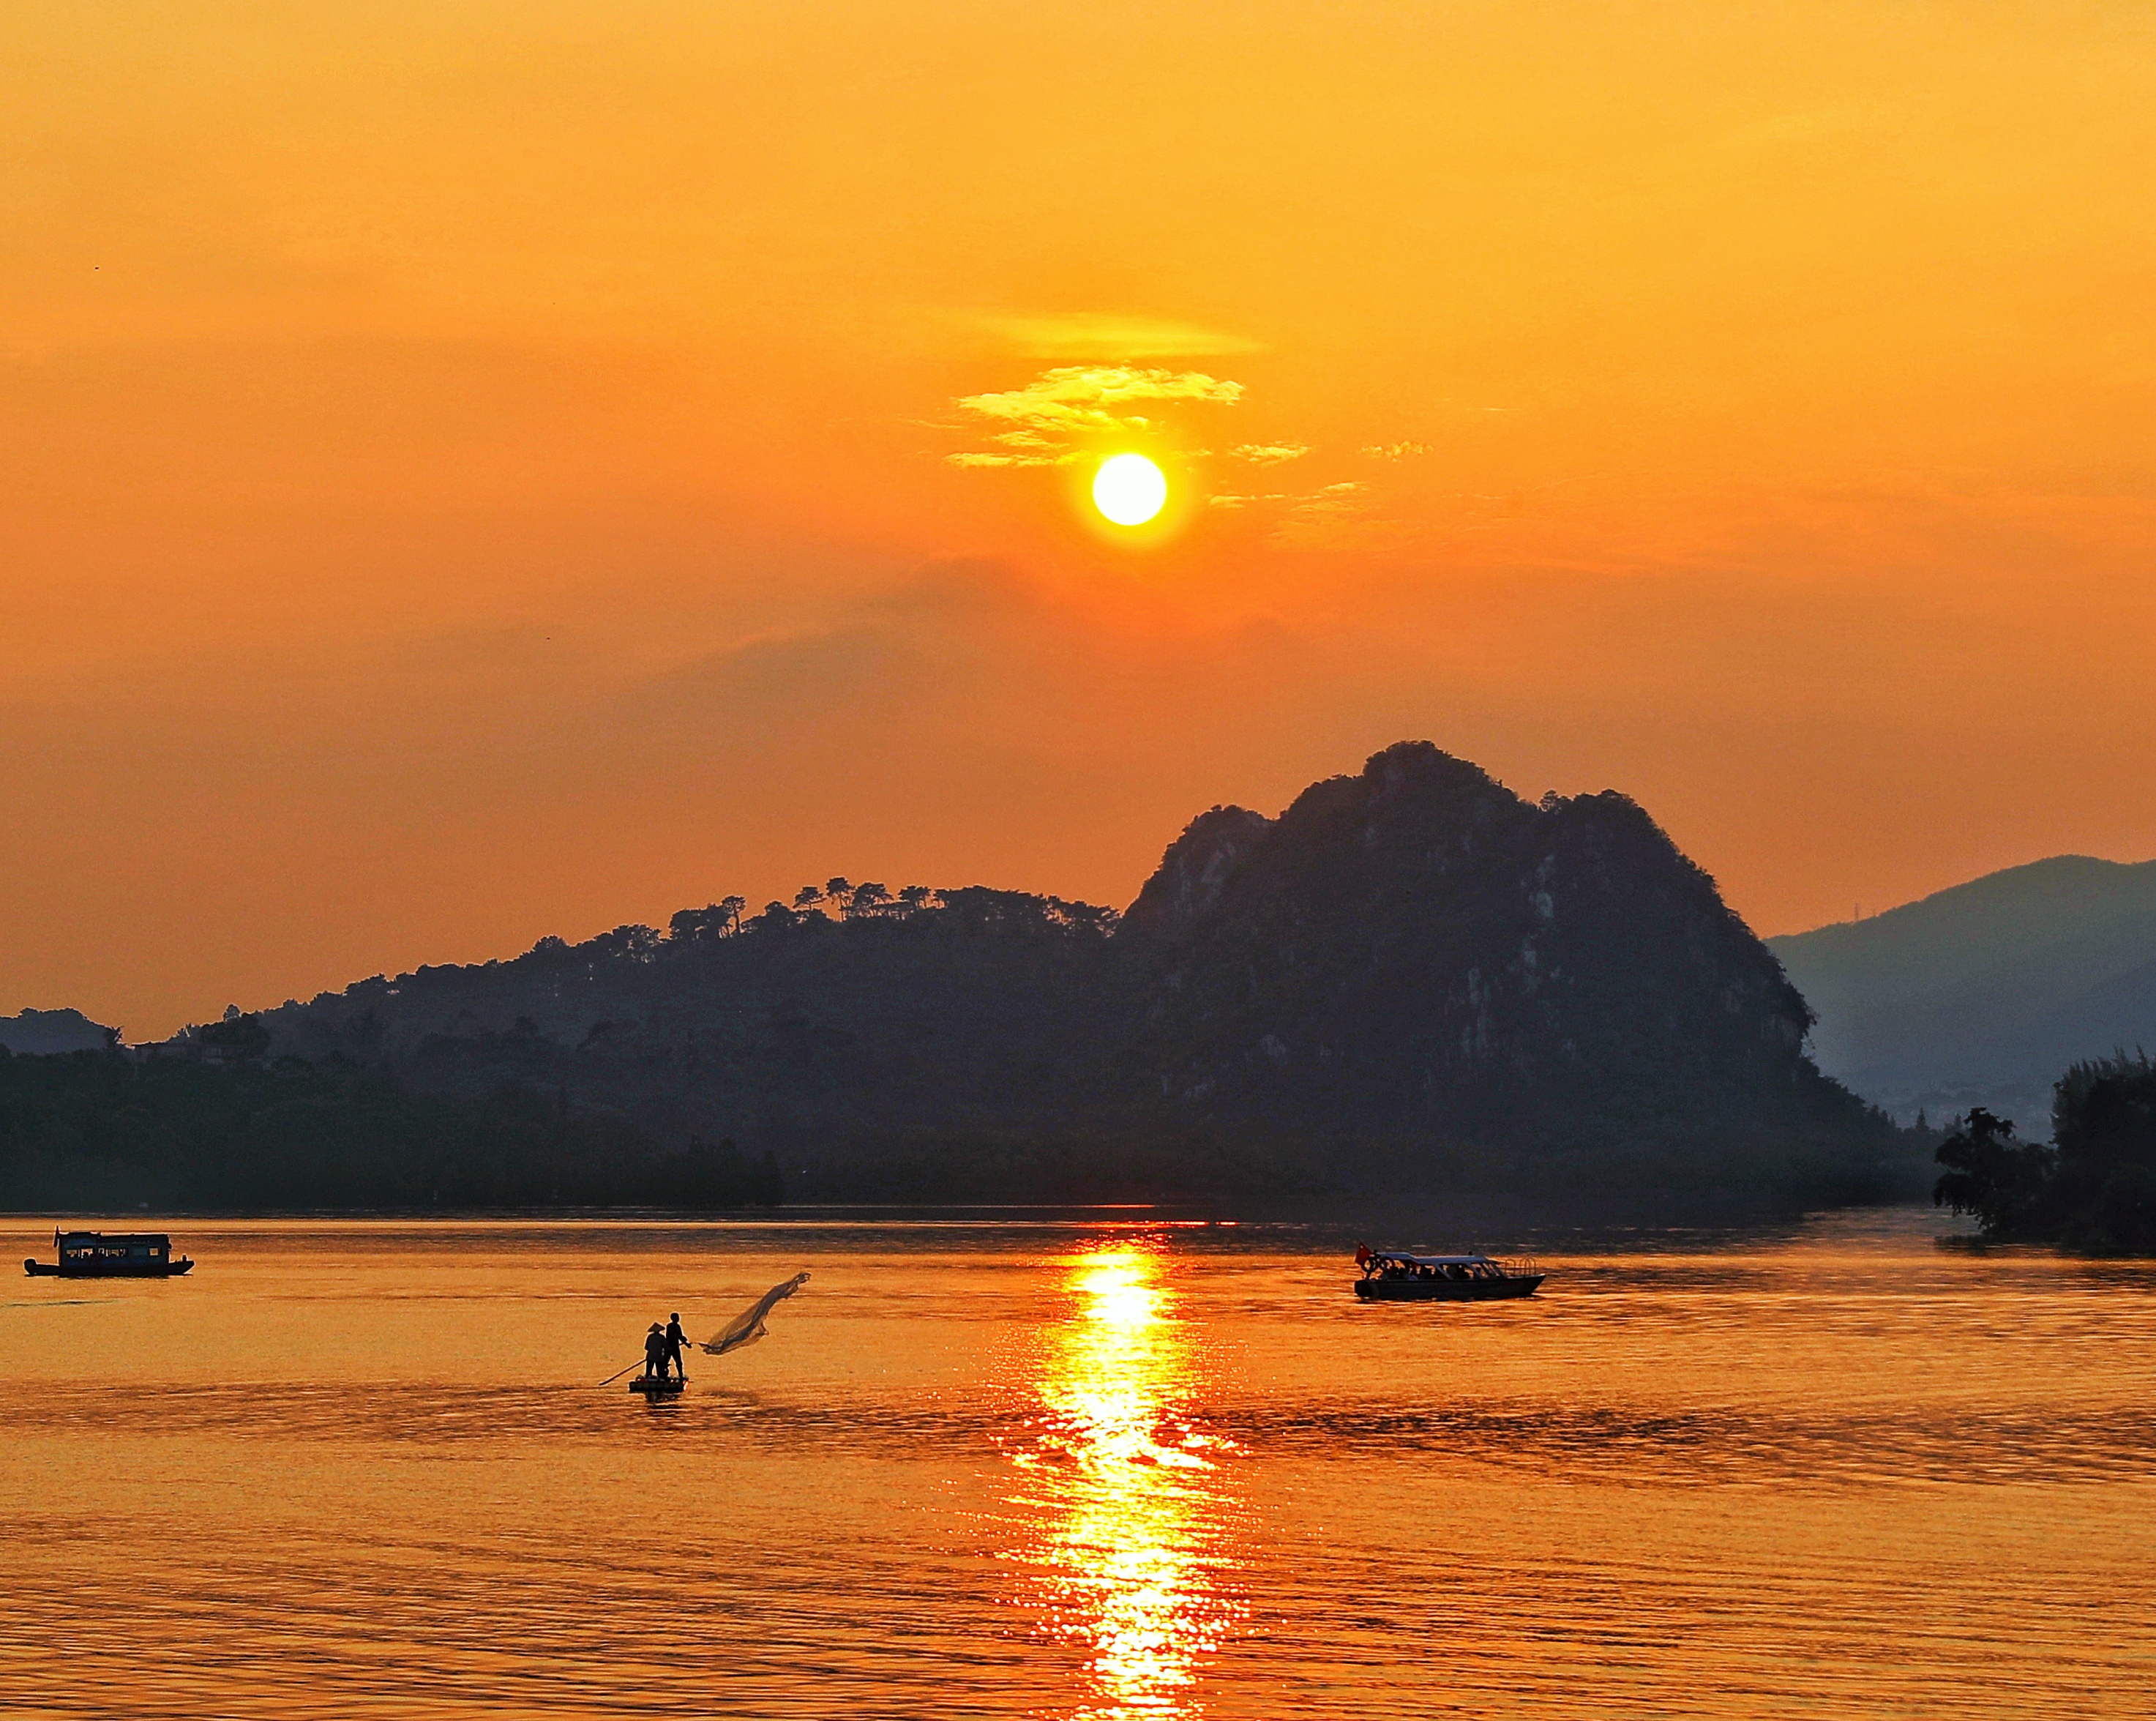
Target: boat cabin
(85, 1251)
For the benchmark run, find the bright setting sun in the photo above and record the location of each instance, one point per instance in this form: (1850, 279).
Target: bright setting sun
(1129, 489)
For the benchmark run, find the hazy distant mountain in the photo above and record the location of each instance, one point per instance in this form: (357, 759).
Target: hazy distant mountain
(1984, 994)
(44, 1032)
(1411, 970)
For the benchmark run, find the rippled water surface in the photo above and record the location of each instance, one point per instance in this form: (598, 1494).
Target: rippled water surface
(1090, 1467)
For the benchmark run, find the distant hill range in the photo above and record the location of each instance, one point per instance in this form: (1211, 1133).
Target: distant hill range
(1984, 994)
(44, 1032)
(1410, 979)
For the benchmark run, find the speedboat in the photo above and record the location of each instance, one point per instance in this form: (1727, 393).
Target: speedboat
(1389, 1275)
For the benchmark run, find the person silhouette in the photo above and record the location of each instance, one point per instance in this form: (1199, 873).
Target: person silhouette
(674, 1339)
(654, 1353)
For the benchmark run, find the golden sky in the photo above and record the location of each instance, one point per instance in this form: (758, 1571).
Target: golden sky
(471, 471)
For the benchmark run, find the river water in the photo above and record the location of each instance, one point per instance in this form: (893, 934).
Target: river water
(1089, 1467)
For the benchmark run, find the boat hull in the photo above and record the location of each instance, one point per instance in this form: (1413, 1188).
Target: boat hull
(1447, 1290)
(657, 1388)
(117, 1270)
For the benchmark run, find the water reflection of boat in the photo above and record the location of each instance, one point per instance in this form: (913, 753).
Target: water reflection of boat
(1390, 1277)
(109, 1254)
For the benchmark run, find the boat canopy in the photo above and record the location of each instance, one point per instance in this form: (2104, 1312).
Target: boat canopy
(1431, 1260)
(114, 1236)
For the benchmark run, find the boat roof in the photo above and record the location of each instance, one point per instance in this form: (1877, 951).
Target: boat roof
(67, 1237)
(1427, 1260)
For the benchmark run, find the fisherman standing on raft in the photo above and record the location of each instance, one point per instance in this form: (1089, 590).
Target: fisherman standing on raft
(654, 1353)
(675, 1338)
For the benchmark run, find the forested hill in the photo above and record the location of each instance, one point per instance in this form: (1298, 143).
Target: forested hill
(1410, 977)
(1418, 949)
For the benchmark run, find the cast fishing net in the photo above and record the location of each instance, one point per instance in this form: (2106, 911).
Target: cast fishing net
(747, 1327)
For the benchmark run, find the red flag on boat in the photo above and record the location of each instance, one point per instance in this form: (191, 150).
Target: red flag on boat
(1361, 1255)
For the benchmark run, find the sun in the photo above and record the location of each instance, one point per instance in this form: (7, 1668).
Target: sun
(1129, 489)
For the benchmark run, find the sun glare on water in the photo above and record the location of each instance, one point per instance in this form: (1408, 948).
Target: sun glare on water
(1130, 1498)
(1129, 489)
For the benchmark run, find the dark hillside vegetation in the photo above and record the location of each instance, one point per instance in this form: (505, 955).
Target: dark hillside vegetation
(1417, 953)
(91, 1131)
(1411, 982)
(45, 1031)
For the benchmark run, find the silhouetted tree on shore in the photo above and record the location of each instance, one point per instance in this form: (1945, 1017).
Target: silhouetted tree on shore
(1990, 1175)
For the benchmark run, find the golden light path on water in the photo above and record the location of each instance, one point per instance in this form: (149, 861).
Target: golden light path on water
(1130, 1552)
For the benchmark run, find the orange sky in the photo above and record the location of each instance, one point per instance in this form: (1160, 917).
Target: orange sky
(475, 471)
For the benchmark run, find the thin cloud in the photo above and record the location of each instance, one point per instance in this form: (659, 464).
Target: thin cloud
(1331, 502)
(1092, 397)
(1112, 335)
(1395, 451)
(1270, 454)
(1332, 517)
(1058, 406)
(1324, 496)
(1306, 513)
(984, 458)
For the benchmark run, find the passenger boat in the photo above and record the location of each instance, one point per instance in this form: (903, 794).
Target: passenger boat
(1390, 1277)
(109, 1254)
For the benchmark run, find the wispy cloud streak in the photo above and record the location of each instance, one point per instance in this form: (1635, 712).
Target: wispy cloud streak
(1072, 400)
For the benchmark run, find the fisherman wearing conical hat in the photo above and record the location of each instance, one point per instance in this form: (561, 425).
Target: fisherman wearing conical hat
(654, 1353)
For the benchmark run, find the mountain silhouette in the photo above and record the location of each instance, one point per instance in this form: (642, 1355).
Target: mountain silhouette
(1410, 975)
(1984, 993)
(1415, 952)
(1411, 984)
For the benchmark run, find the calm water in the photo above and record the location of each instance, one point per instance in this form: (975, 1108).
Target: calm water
(1104, 1469)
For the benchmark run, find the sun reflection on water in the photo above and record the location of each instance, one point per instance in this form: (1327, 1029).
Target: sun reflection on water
(1125, 1498)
